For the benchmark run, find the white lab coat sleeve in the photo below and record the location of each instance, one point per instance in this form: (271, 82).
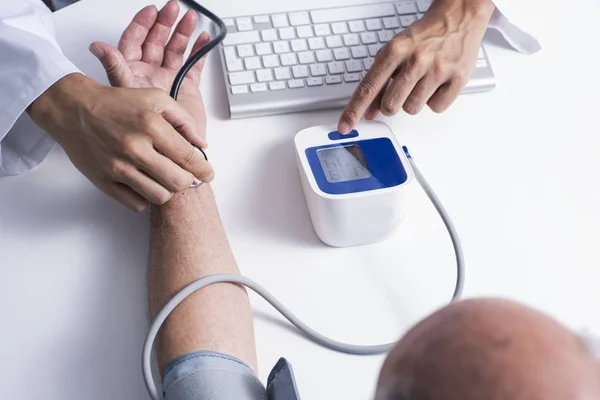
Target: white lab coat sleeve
(506, 21)
(30, 62)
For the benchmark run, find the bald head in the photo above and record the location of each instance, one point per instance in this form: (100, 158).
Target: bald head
(489, 349)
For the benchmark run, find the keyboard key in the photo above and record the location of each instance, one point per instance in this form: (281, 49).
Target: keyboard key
(336, 68)
(230, 53)
(352, 77)
(264, 75)
(279, 20)
(314, 81)
(241, 78)
(385, 36)
(322, 30)
(351, 39)
(359, 52)
(356, 26)
(306, 57)
(281, 47)
(252, 63)
(316, 43)
(374, 48)
(271, 61)
(268, 35)
(373, 24)
(244, 24)
(299, 18)
(324, 55)
(296, 83)
(235, 65)
(419, 16)
(407, 20)
(318, 70)
(229, 22)
(391, 23)
(239, 89)
(300, 71)
(481, 63)
(397, 31)
(287, 33)
(288, 59)
(261, 19)
(258, 87)
(277, 85)
(339, 28)
(332, 80)
(245, 27)
(368, 37)
(305, 31)
(241, 38)
(423, 5)
(262, 49)
(245, 50)
(368, 63)
(299, 45)
(354, 66)
(334, 41)
(282, 73)
(355, 12)
(341, 54)
(406, 7)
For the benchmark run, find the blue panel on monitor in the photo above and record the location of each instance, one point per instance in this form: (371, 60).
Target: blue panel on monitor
(382, 167)
(338, 136)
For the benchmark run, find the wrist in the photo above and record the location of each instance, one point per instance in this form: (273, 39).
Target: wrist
(187, 206)
(60, 105)
(463, 13)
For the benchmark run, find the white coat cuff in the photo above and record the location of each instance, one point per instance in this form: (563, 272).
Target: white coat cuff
(517, 38)
(26, 145)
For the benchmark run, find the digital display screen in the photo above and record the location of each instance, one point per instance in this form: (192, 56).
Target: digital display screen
(344, 163)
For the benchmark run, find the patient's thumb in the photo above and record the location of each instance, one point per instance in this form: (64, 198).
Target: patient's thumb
(117, 70)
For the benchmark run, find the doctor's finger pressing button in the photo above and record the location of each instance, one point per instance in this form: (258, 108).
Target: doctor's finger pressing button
(429, 61)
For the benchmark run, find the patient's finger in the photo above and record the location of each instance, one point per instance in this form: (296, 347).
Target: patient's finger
(196, 71)
(130, 44)
(178, 43)
(153, 48)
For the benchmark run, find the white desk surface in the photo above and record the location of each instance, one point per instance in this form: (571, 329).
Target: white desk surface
(517, 168)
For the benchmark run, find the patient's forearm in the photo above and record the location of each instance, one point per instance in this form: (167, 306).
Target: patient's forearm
(188, 242)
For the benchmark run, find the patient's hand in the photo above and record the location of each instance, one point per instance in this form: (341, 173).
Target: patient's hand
(147, 58)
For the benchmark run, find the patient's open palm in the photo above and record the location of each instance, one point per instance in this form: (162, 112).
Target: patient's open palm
(146, 57)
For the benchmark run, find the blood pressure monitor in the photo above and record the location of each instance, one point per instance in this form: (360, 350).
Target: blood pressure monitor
(355, 184)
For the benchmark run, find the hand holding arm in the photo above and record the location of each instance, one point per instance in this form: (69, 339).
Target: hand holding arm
(132, 141)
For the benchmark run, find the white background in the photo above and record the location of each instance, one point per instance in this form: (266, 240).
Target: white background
(517, 169)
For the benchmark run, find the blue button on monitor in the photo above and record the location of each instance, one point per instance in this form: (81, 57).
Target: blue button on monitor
(335, 135)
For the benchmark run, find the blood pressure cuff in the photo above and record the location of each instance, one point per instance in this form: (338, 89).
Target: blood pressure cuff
(206, 375)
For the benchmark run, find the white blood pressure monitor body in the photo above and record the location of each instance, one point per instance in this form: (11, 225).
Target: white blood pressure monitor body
(356, 184)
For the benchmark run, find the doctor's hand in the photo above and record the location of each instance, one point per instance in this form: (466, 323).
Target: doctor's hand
(428, 63)
(133, 144)
(147, 58)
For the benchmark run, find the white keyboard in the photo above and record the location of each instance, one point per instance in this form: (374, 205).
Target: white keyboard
(310, 60)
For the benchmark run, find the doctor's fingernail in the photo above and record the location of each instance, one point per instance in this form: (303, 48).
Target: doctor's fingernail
(343, 128)
(96, 50)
